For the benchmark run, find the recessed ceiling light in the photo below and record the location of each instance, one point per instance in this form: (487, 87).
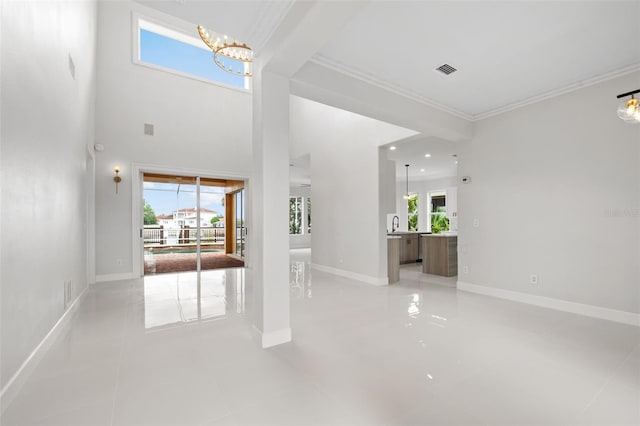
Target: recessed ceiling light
(422, 170)
(456, 161)
(427, 155)
(392, 148)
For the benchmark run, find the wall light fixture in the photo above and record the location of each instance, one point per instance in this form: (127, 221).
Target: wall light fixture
(629, 110)
(117, 179)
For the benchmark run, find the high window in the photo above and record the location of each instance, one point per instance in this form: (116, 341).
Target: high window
(181, 53)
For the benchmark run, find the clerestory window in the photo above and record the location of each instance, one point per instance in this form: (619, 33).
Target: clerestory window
(182, 54)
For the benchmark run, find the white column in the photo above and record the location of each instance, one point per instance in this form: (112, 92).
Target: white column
(270, 190)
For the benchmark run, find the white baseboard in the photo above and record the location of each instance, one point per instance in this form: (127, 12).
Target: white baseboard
(13, 386)
(623, 317)
(294, 246)
(115, 277)
(272, 338)
(352, 275)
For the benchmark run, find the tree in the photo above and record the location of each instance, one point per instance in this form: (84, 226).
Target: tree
(149, 215)
(439, 221)
(215, 219)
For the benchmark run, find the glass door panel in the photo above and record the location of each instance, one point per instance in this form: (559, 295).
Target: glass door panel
(239, 222)
(184, 224)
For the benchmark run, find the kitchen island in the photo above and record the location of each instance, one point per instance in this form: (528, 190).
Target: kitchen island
(440, 254)
(409, 245)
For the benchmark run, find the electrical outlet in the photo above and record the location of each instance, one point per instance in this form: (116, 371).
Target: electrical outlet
(533, 279)
(465, 269)
(476, 223)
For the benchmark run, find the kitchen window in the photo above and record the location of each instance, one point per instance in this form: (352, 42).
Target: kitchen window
(412, 208)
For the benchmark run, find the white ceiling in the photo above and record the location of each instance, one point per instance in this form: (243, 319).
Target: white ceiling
(411, 151)
(505, 52)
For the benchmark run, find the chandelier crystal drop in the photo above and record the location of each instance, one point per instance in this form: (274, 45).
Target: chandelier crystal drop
(225, 49)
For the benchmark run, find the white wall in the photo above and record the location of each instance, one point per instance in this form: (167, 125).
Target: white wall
(348, 223)
(422, 188)
(555, 186)
(198, 126)
(387, 172)
(47, 125)
(304, 240)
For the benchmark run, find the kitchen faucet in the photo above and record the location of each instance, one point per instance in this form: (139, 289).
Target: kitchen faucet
(395, 224)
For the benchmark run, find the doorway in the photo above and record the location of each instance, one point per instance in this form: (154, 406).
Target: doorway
(185, 223)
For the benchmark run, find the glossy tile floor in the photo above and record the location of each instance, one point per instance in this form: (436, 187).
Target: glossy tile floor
(175, 350)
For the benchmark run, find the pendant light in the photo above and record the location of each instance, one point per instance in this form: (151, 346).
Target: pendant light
(407, 195)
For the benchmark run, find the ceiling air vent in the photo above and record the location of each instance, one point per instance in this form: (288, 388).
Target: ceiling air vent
(446, 69)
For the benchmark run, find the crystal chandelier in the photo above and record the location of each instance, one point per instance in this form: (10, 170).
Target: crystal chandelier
(226, 52)
(629, 110)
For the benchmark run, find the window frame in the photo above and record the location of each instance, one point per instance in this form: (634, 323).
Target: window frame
(430, 213)
(307, 213)
(178, 31)
(299, 212)
(415, 197)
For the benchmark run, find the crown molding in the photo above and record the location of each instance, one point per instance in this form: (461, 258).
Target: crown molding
(558, 92)
(369, 78)
(272, 14)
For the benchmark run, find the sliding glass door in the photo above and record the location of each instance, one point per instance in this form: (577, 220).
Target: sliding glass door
(184, 224)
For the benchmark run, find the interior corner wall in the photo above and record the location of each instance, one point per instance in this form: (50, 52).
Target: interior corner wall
(198, 126)
(348, 234)
(47, 125)
(555, 187)
(302, 240)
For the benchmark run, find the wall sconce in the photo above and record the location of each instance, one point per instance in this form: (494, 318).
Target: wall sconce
(629, 110)
(117, 179)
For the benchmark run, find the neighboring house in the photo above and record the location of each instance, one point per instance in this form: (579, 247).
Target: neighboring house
(165, 220)
(187, 217)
